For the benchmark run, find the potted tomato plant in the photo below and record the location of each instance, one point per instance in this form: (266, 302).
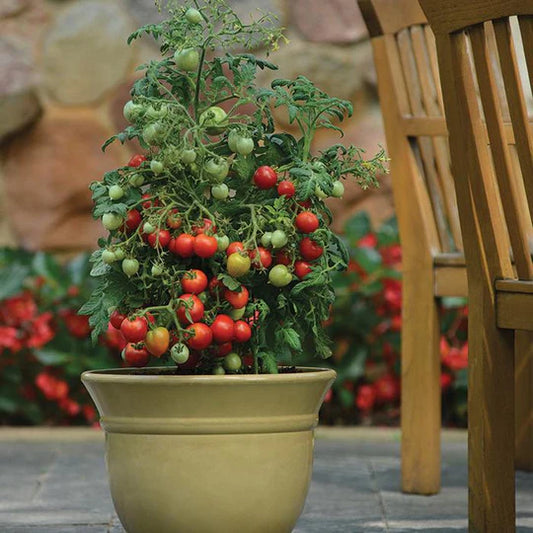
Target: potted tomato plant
(217, 271)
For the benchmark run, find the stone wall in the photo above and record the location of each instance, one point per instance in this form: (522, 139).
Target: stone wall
(65, 75)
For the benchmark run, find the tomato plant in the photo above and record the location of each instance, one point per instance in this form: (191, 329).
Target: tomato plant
(210, 226)
(136, 355)
(157, 341)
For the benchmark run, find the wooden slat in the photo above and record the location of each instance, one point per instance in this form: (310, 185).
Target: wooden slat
(426, 126)
(449, 17)
(514, 310)
(440, 151)
(517, 222)
(514, 285)
(517, 104)
(415, 95)
(526, 31)
(450, 281)
(432, 49)
(524, 400)
(384, 17)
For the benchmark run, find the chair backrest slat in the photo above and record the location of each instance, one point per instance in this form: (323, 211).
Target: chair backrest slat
(479, 51)
(511, 196)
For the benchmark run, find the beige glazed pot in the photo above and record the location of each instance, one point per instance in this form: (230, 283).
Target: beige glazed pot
(208, 454)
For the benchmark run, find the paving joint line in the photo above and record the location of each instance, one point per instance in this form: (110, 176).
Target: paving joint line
(41, 479)
(375, 488)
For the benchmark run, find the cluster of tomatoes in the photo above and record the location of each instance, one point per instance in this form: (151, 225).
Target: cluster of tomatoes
(194, 332)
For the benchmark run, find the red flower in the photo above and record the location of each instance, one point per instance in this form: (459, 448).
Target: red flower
(393, 294)
(70, 407)
(51, 387)
(41, 331)
(9, 339)
(89, 412)
(366, 398)
(391, 255)
(18, 309)
(328, 396)
(77, 325)
(456, 359)
(387, 389)
(445, 381)
(368, 241)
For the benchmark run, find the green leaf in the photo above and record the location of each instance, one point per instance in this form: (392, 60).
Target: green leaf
(12, 279)
(358, 226)
(49, 356)
(368, 258)
(231, 283)
(268, 363)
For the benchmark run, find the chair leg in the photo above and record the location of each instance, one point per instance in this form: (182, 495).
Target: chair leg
(491, 478)
(524, 400)
(421, 393)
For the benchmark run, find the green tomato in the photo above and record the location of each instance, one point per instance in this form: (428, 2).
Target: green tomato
(233, 137)
(112, 221)
(279, 276)
(116, 192)
(232, 362)
(220, 192)
(132, 111)
(238, 264)
(188, 156)
(217, 169)
(120, 254)
(157, 270)
(218, 371)
(187, 59)
(152, 113)
(338, 189)
(214, 119)
(266, 239)
(152, 133)
(108, 257)
(148, 228)
(156, 166)
(179, 353)
(222, 242)
(244, 146)
(136, 180)
(278, 239)
(237, 314)
(193, 16)
(130, 267)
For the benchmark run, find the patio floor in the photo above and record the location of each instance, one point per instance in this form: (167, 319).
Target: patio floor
(54, 481)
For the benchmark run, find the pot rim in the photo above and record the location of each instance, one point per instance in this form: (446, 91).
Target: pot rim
(124, 375)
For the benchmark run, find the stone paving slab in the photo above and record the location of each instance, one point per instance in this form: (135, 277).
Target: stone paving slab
(54, 481)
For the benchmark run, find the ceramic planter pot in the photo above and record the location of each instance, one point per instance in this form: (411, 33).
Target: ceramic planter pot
(208, 454)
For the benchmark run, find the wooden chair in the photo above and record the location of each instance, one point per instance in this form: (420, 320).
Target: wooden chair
(493, 169)
(433, 261)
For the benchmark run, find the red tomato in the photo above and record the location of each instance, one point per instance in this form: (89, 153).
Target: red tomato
(306, 222)
(222, 329)
(134, 329)
(192, 305)
(174, 219)
(261, 258)
(184, 245)
(215, 286)
(192, 362)
(286, 188)
(116, 319)
(242, 331)
(160, 237)
(309, 249)
(265, 177)
(133, 220)
(136, 355)
(302, 268)
(149, 201)
(223, 349)
(114, 339)
(136, 161)
(306, 203)
(248, 360)
(201, 336)
(205, 245)
(236, 246)
(283, 258)
(237, 300)
(206, 227)
(157, 341)
(194, 281)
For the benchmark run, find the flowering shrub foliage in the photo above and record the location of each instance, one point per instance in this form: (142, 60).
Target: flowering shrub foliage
(366, 323)
(44, 343)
